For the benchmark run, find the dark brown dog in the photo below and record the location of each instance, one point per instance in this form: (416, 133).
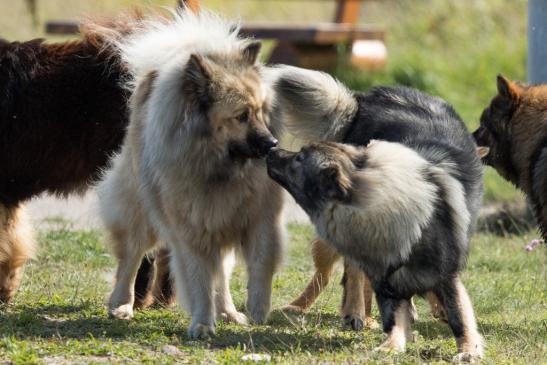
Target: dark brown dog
(63, 113)
(514, 127)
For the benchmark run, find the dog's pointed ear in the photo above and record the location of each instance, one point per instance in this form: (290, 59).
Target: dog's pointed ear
(331, 187)
(508, 89)
(483, 151)
(251, 51)
(197, 71)
(197, 77)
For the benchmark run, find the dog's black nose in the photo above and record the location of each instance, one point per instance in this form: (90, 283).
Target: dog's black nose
(267, 145)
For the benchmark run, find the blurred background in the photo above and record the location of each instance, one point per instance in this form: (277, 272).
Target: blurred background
(453, 49)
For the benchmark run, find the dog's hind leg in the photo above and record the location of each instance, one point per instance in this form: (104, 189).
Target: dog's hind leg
(225, 307)
(396, 320)
(16, 247)
(324, 258)
(263, 250)
(356, 302)
(437, 308)
(461, 320)
(145, 282)
(164, 286)
(367, 294)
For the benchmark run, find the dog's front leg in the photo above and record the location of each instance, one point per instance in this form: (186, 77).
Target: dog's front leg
(195, 275)
(263, 250)
(123, 296)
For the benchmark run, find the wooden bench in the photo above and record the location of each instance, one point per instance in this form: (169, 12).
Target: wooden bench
(310, 46)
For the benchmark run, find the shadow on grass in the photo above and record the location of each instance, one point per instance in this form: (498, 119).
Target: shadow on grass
(86, 321)
(312, 332)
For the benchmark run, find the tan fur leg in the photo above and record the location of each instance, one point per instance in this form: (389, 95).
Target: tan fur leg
(367, 294)
(164, 289)
(324, 258)
(16, 247)
(470, 345)
(401, 332)
(144, 284)
(353, 300)
(437, 308)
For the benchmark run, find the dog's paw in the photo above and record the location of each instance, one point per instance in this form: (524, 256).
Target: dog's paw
(355, 322)
(289, 308)
(201, 331)
(259, 315)
(371, 323)
(234, 317)
(466, 358)
(391, 345)
(124, 312)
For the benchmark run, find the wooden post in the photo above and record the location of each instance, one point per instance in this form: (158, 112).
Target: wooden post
(192, 4)
(347, 11)
(537, 36)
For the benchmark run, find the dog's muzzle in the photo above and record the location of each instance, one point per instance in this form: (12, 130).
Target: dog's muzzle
(276, 161)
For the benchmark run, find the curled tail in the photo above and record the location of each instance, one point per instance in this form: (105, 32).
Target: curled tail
(314, 105)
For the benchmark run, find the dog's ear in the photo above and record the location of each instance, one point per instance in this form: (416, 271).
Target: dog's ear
(508, 89)
(197, 77)
(330, 184)
(251, 51)
(483, 151)
(197, 71)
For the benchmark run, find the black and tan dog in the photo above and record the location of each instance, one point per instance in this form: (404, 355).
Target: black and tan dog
(402, 208)
(514, 127)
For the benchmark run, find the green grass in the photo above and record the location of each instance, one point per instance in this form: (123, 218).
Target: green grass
(59, 314)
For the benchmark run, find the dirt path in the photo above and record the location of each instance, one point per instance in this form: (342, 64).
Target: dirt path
(81, 212)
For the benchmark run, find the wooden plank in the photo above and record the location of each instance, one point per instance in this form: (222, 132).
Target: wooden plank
(327, 33)
(62, 27)
(347, 11)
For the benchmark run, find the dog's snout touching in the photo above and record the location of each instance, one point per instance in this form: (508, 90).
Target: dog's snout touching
(267, 145)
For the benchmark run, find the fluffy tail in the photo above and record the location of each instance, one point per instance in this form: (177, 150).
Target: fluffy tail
(314, 105)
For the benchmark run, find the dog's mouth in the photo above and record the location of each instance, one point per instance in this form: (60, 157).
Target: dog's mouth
(275, 164)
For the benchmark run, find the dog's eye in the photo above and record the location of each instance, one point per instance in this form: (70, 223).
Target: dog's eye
(243, 117)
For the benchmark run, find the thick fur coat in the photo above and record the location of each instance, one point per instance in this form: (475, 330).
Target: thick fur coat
(403, 208)
(62, 115)
(190, 174)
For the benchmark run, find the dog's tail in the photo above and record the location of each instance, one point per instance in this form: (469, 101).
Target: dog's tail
(314, 105)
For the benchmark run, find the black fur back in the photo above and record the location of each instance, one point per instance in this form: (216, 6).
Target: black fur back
(62, 114)
(424, 123)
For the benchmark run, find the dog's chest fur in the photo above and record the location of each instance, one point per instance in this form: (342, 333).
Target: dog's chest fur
(206, 212)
